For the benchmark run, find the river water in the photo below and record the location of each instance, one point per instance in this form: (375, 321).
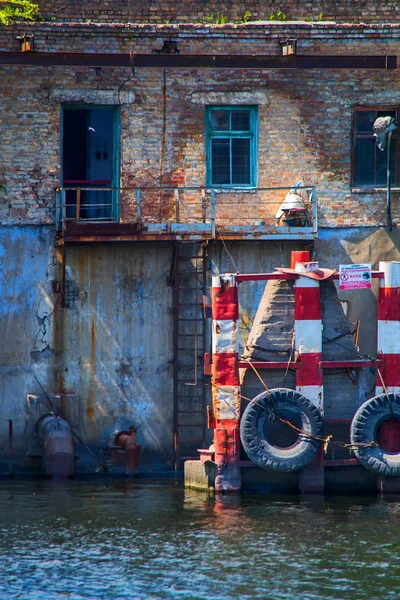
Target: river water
(144, 539)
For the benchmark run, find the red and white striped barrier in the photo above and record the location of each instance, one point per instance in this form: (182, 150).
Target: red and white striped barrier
(225, 381)
(389, 327)
(308, 337)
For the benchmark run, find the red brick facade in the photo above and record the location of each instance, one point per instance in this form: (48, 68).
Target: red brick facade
(304, 127)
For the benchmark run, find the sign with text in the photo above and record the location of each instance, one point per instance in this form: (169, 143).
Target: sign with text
(355, 277)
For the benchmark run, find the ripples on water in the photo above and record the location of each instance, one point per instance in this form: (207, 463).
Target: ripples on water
(132, 539)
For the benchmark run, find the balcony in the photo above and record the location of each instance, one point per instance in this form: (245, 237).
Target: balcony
(88, 213)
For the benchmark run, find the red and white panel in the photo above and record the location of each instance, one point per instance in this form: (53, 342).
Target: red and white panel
(389, 327)
(308, 339)
(225, 371)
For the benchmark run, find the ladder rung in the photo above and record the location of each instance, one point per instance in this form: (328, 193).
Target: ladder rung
(191, 304)
(181, 335)
(190, 272)
(190, 320)
(190, 442)
(189, 457)
(191, 412)
(198, 425)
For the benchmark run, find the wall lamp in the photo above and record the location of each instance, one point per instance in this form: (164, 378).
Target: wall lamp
(26, 42)
(288, 47)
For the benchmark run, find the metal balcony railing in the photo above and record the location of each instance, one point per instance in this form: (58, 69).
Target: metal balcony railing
(195, 211)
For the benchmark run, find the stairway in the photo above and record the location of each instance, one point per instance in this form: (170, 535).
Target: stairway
(189, 348)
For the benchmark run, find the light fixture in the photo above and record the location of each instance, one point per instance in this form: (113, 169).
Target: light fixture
(26, 42)
(288, 47)
(169, 47)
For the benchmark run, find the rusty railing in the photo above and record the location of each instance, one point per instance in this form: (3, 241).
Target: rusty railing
(206, 211)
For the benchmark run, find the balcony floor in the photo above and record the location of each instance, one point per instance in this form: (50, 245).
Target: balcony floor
(79, 232)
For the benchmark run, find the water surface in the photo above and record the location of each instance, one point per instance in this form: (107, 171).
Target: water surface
(138, 539)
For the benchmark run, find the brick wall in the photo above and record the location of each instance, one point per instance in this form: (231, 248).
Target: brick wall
(189, 11)
(305, 117)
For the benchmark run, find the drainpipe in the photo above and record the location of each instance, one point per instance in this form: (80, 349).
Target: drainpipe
(127, 440)
(56, 436)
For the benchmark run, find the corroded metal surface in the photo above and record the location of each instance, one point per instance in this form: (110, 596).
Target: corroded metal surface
(213, 61)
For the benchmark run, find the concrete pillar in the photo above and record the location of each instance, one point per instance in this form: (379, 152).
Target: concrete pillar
(389, 327)
(389, 352)
(308, 344)
(225, 383)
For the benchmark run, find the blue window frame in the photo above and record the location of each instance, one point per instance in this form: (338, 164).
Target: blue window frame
(231, 146)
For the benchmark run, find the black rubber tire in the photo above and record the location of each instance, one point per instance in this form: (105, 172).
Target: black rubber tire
(255, 420)
(364, 429)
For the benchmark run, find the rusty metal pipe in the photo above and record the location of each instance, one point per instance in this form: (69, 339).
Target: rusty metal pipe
(56, 436)
(128, 441)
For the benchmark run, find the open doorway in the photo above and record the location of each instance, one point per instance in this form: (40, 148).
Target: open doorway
(90, 162)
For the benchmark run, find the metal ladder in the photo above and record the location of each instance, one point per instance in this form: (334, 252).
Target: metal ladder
(189, 348)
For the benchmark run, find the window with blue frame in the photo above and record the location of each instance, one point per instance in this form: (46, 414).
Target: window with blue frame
(231, 140)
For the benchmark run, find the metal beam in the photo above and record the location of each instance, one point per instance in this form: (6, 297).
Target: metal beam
(210, 61)
(294, 61)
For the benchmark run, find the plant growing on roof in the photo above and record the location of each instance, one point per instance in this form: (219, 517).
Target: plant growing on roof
(279, 16)
(217, 19)
(12, 11)
(247, 17)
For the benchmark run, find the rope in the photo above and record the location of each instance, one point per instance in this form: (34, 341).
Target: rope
(373, 359)
(386, 392)
(226, 249)
(326, 441)
(290, 358)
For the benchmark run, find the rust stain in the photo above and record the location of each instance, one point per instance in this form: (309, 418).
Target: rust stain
(58, 328)
(92, 370)
(246, 319)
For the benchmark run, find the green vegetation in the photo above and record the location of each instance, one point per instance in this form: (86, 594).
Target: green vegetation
(247, 17)
(279, 16)
(17, 10)
(217, 19)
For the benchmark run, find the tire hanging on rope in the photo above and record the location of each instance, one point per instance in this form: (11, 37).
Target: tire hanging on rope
(365, 429)
(261, 442)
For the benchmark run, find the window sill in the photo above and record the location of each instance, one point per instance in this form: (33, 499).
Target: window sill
(373, 190)
(235, 189)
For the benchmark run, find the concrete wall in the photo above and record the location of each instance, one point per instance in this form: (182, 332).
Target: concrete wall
(112, 344)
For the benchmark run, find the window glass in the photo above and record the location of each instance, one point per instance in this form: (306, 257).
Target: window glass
(364, 121)
(221, 161)
(241, 161)
(365, 150)
(220, 120)
(241, 120)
